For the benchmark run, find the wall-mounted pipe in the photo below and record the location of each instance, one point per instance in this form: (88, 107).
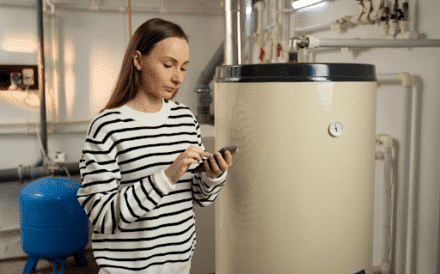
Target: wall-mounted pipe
(42, 82)
(405, 231)
(204, 91)
(25, 173)
(111, 6)
(387, 238)
(314, 42)
(247, 31)
(129, 18)
(285, 29)
(232, 33)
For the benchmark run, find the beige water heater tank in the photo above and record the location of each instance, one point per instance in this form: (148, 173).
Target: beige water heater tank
(299, 197)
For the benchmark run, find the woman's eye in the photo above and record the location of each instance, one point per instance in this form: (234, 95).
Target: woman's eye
(183, 69)
(167, 66)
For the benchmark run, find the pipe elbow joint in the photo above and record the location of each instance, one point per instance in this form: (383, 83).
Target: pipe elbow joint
(406, 79)
(385, 140)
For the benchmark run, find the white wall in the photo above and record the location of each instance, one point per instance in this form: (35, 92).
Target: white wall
(91, 48)
(90, 51)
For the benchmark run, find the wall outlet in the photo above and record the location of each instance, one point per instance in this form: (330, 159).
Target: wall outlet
(28, 76)
(16, 79)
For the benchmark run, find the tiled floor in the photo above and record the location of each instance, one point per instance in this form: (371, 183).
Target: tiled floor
(43, 266)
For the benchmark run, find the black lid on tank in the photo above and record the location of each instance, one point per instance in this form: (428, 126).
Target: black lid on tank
(297, 72)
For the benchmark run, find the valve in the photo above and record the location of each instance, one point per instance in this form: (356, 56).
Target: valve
(405, 12)
(295, 44)
(356, 19)
(377, 12)
(385, 15)
(397, 13)
(368, 8)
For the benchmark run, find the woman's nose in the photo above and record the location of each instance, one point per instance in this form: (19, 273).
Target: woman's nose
(178, 77)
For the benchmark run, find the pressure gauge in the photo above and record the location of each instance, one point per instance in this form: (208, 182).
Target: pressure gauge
(335, 129)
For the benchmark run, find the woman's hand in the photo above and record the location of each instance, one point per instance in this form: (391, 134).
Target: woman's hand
(218, 164)
(192, 155)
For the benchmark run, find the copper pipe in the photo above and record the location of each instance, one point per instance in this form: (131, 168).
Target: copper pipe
(129, 19)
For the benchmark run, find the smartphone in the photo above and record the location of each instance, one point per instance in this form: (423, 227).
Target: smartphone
(201, 167)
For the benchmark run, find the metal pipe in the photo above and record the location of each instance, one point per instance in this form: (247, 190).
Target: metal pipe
(208, 73)
(23, 173)
(203, 90)
(129, 18)
(232, 33)
(42, 82)
(247, 23)
(81, 6)
(285, 29)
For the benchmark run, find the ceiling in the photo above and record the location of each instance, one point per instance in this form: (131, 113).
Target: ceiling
(202, 7)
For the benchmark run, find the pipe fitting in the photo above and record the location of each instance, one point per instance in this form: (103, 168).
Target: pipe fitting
(385, 140)
(406, 79)
(298, 42)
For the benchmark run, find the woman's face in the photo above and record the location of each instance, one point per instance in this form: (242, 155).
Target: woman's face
(163, 69)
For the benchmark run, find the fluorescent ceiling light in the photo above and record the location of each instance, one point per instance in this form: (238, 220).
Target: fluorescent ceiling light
(304, 3)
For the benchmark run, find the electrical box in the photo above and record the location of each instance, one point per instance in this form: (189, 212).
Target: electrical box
(19, 76)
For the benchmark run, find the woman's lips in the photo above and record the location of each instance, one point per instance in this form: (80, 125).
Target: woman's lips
(169, 89)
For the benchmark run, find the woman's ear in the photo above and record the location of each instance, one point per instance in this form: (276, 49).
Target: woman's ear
(137, 60)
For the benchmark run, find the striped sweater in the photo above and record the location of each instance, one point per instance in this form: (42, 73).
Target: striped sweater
(141, 222)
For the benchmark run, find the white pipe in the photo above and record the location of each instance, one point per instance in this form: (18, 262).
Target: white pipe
(260, 35)
(51, 5)
(79, 6)
(412, 14)
(405, 232)
(314, 28)
(285, 30)
(388, 162)
(413, 188)
(387, 142)
(315, 42)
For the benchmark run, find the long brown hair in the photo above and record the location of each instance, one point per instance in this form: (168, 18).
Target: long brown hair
(143, 40)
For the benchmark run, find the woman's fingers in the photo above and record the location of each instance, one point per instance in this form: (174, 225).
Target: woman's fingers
(196, 153)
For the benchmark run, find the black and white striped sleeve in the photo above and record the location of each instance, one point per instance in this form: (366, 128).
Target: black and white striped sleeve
(109, 207)
(204, 188)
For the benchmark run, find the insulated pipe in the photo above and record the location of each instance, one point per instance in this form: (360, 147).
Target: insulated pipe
(42, 82)
(232, 32)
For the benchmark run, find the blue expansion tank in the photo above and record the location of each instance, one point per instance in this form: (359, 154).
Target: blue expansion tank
(53, 224)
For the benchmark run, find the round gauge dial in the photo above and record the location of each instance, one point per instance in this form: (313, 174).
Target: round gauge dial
(335, 129)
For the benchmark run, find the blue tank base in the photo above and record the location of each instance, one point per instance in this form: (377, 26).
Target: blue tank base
(31, 263)
(61, 268)
(80, 258)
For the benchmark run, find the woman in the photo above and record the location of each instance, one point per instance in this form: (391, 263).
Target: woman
(137, 167)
